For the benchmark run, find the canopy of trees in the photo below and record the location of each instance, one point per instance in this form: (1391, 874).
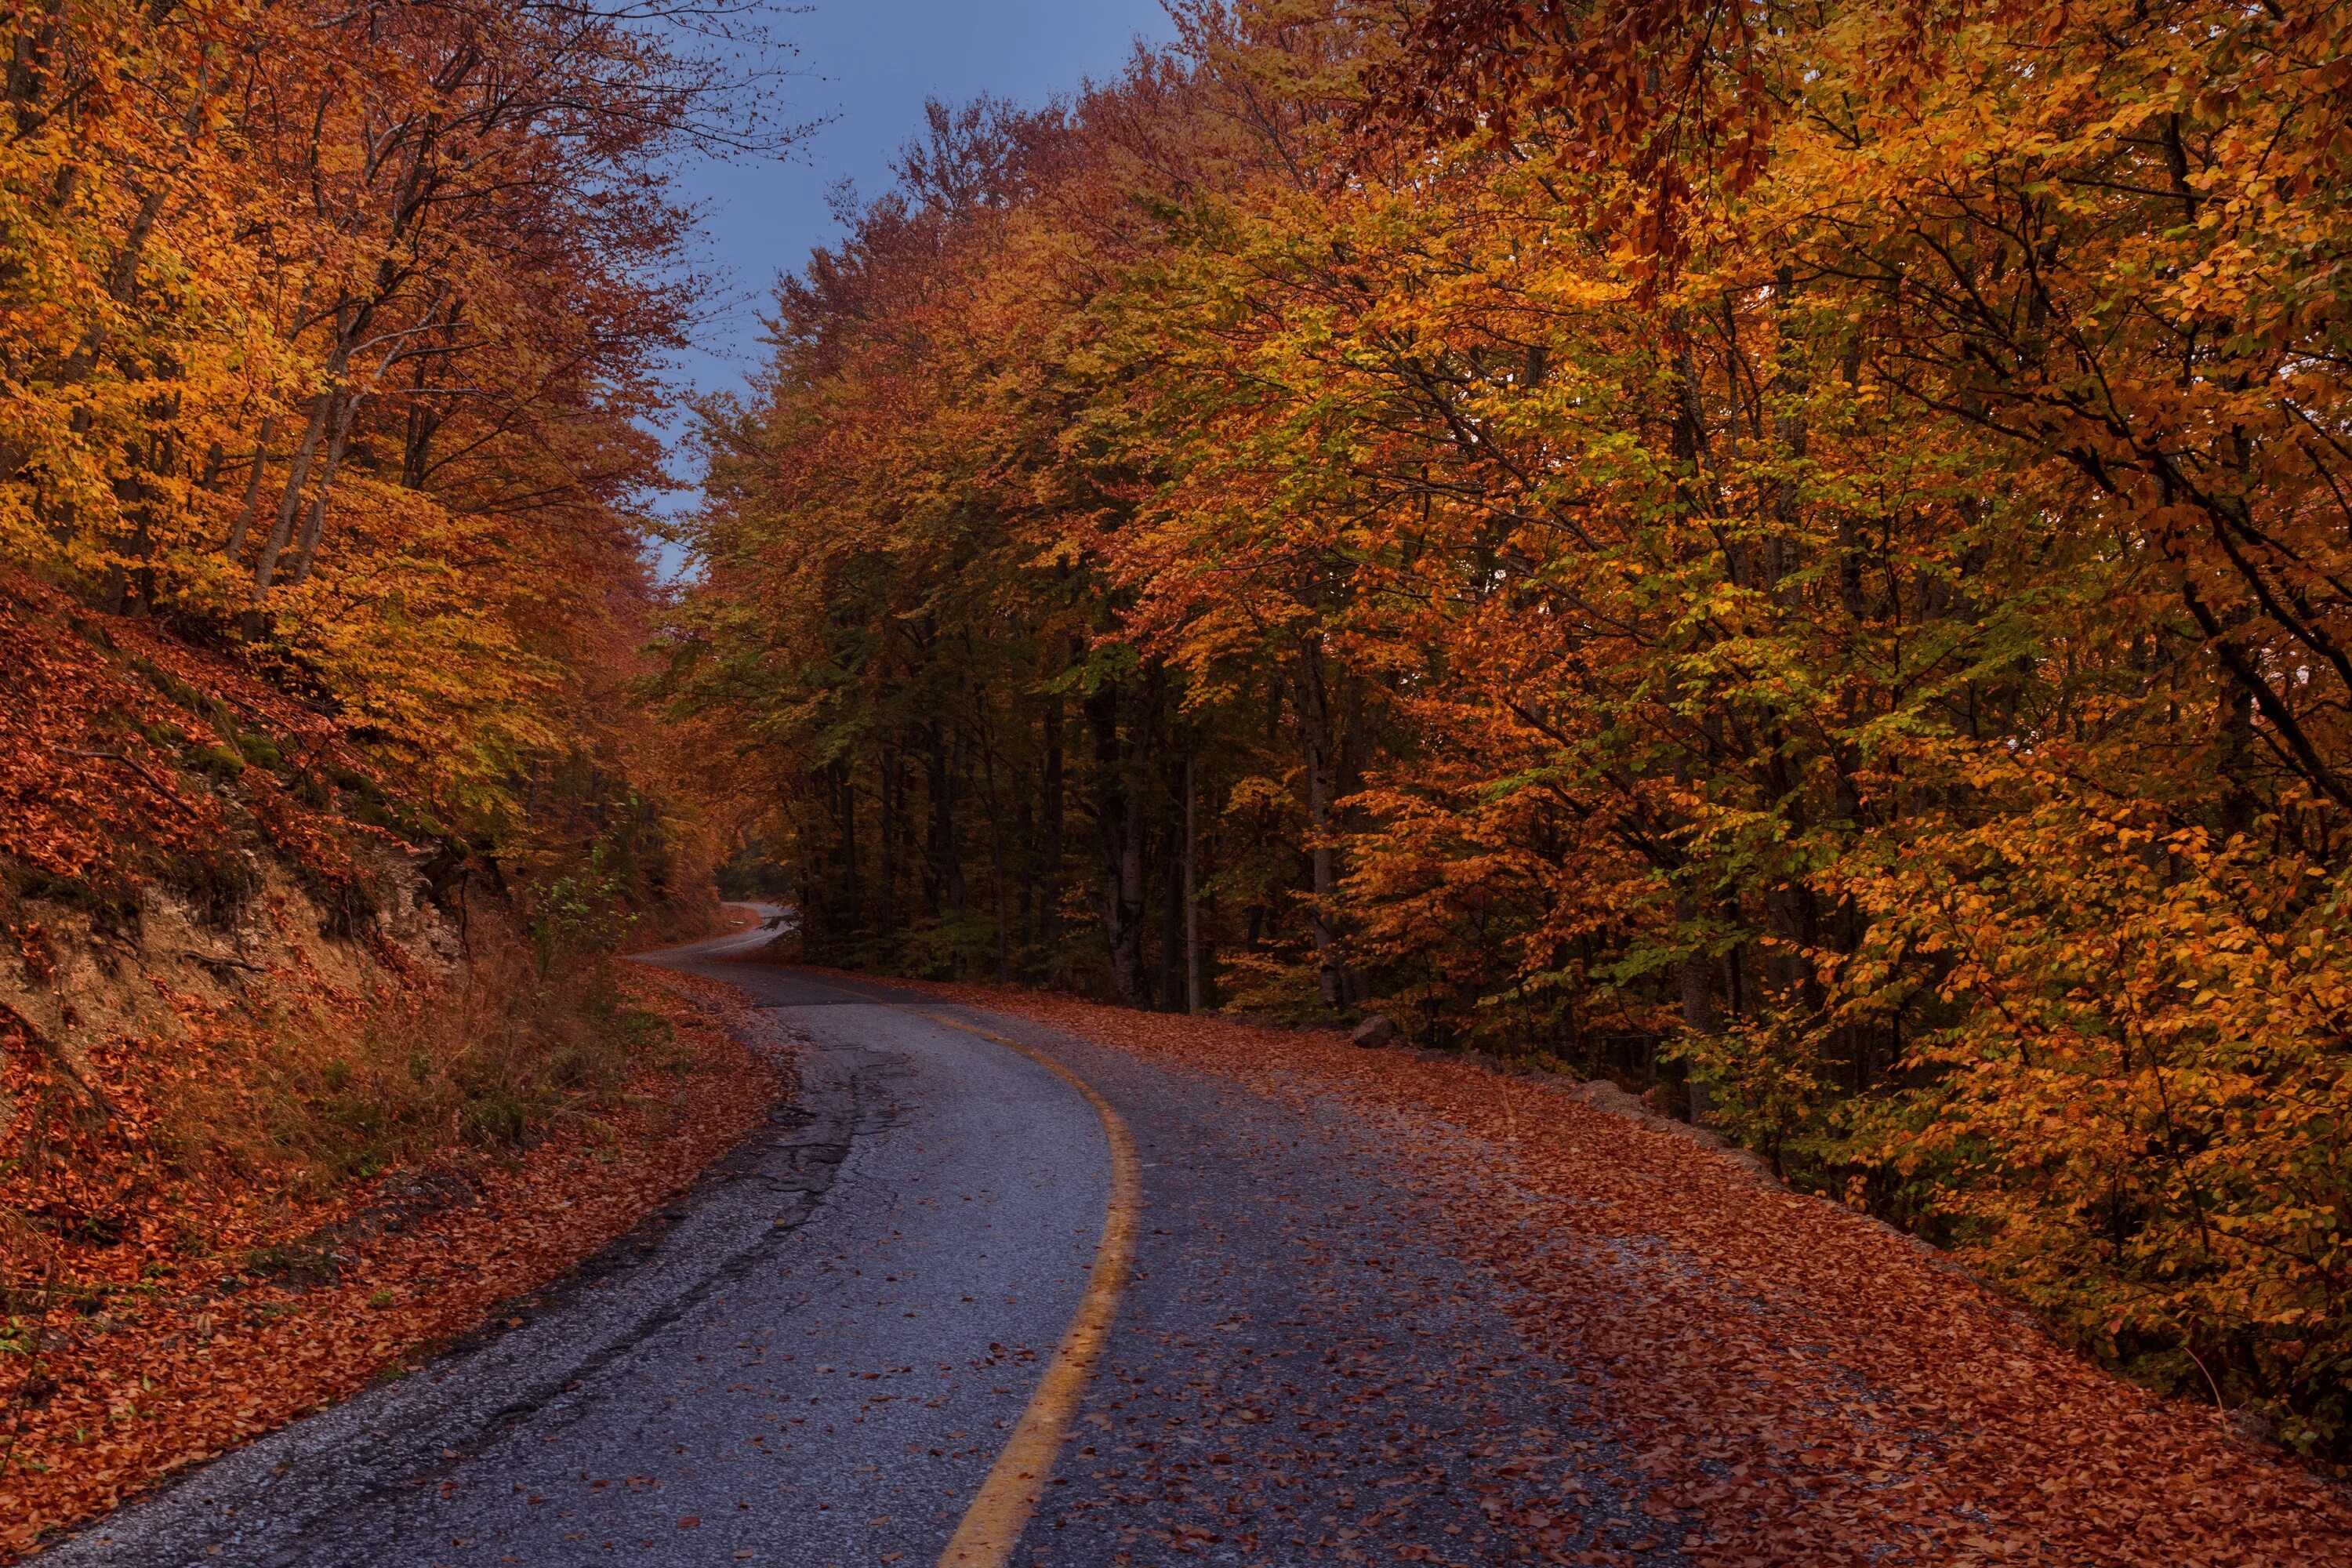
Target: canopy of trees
(1796, 554)
(328, 331)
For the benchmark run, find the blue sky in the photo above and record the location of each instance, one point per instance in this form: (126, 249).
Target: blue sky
(866, 67)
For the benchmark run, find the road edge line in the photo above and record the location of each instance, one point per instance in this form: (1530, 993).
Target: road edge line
(1000, 1511)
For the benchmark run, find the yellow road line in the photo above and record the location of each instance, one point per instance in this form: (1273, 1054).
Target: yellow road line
(993, 1524)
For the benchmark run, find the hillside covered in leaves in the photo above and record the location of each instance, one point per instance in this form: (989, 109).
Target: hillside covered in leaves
(327, 340)
(1796, 555)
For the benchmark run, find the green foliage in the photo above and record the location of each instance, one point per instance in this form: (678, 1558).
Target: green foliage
(582, 910)
(1774, 1085)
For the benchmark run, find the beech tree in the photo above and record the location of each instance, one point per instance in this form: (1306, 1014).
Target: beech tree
(1787, 555)
(333, 330)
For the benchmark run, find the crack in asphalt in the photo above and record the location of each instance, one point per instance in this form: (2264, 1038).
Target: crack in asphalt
(817, 1132)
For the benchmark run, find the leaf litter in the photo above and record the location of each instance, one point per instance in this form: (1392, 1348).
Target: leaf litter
(397, 1267)
(1798, 1384)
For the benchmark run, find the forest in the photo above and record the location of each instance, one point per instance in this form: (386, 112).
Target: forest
(330, 338)
(331, 332)
(1793, 555)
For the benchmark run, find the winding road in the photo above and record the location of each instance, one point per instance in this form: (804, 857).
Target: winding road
(869, 1338)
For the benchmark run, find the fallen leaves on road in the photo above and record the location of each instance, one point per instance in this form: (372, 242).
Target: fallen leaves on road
(1802, 1384)
(216, 1361)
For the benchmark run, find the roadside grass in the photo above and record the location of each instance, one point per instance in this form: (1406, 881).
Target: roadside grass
(473, 1069)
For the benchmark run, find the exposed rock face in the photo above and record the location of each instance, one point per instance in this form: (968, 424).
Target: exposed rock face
(181, 845)
(1374, 1031)
(68, 981)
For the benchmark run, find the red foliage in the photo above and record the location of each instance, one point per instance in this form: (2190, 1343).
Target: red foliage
(91, 754)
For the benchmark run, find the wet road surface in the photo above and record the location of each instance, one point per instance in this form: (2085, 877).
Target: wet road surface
(816, 1356)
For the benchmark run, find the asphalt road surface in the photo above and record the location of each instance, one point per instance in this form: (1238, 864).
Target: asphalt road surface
(816, 1357)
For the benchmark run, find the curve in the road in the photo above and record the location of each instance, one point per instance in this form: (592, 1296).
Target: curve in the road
(992, 1526)
(829, 1352)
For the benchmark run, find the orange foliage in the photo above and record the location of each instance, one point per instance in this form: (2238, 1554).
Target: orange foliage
(1795, 556)
(213, 1349)
(335, 331)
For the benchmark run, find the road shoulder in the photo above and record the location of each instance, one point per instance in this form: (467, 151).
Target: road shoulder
(408, 1286)
(1795, 1382)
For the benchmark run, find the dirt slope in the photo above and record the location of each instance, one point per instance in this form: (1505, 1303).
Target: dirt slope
(255, 1002)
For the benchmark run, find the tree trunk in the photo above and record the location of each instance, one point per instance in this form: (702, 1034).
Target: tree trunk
(1121, 838)
(289, 505)
(947, 860)
(851, 914)
(996, 861)
(1049, 921)
(1025, 855)
(1192, 899)
(1314, 724)
(1172, 927)
(245, 513)
(308, 554)
(1698, 1005)
(886, 891)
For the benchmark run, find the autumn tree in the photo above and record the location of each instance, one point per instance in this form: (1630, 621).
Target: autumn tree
(335, 332)
(1786, 555)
